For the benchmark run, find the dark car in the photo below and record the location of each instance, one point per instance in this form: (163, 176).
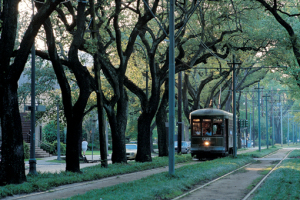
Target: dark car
(185, 146)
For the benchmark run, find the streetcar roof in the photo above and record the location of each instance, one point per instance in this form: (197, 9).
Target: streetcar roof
(210, 112)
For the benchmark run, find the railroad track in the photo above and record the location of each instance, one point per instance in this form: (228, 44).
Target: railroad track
(245, 197)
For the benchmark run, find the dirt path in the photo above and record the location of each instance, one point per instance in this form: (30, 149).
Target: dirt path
(236, 185)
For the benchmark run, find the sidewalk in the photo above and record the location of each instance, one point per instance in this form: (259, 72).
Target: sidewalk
(44, 165)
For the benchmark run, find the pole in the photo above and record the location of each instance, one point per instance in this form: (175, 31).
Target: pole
(273, 134)
(171, 89)
(253, 135)
(32, 160)
(293, 132)
(246, 118)
(234, 106)
(259, 136)
(281, 134)
(250, 131)
(179, 113)
(267, 122)
(57, 133)
(288, 137)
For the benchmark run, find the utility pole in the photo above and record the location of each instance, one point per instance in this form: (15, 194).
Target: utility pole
(234, 103)
(253, 135)
(259, 133)
(267, 131)
(281, 133)
(288, 133)
(32, 160)
(293, 132)
(273, 134)
(171, 88)
(179, 139)
(246, 117)
(57, 132)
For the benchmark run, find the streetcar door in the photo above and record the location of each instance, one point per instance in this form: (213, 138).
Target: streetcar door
(226, 135)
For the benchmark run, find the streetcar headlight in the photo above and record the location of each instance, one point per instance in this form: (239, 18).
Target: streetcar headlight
(206, 143)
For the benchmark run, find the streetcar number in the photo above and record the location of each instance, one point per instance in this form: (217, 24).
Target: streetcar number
(206, 139)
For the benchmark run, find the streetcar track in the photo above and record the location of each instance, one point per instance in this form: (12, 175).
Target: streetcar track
(265, 177)
(225, 175)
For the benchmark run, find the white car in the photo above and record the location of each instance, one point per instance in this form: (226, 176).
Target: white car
(131, 150)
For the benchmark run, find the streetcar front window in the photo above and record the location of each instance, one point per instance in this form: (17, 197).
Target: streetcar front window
(217, 127)
(206, 127)
(196, 127)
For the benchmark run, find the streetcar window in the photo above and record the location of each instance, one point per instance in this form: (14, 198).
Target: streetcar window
(217, 126)
(206, 127)
(196, 127)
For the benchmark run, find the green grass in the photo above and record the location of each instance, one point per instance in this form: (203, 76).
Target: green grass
(46, 181)
(160, 185)
(56, 161)
(96, 152)
(283, 183)
(164, 186)
(295, 154)
(259, 154)
(35, 159)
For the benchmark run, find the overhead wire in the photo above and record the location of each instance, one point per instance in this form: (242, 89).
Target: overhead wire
(158, 22)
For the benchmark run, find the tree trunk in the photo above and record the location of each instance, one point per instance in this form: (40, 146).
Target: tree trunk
(144, 151)
(12, 169)
(118, 124)
(74, 133)
(161, 118)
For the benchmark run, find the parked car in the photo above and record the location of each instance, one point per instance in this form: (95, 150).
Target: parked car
(131, 150)
(185, 146)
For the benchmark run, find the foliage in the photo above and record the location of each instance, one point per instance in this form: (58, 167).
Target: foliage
(52, 147)
(26, 150)
(50, 132)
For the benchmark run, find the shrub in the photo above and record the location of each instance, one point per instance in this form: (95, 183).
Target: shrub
(46, 146)
(50, 132)
(62, 147)
(26, 150)
(52, 147)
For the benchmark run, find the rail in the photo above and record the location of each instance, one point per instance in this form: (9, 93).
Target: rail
(39, 141)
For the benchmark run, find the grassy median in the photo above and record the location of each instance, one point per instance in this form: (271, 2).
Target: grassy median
(160, 186)
(284, 182)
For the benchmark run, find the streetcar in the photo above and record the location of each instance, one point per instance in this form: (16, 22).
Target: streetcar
(211, 133)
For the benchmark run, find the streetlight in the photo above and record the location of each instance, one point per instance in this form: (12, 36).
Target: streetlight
(32, 160)
(58, 135)
(93, 131)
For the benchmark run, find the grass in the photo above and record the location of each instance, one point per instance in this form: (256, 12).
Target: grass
(56, 161)
(259, 154)
(35, 159)
(295, 154)
(164, 186)
(96, 152)
(158, 186)
(283, 183)
(47, 181)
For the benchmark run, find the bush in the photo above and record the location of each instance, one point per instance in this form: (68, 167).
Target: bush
(26, 150)
(50, 132)
(52, 147)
